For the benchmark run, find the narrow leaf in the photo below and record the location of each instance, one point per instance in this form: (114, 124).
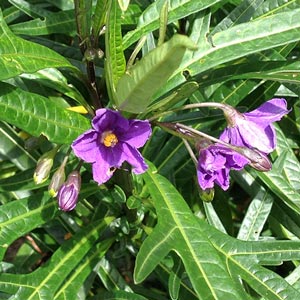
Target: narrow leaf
(136, 87)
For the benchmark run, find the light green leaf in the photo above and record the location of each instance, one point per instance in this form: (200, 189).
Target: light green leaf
(71, 286)
(136, 87)
(19, 56)
(37, 115)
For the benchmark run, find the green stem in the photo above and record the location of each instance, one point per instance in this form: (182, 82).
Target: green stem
(225, 107)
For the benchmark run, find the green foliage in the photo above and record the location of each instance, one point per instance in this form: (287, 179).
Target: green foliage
(153, 236)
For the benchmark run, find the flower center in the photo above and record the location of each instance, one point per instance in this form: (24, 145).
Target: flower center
(109, 139)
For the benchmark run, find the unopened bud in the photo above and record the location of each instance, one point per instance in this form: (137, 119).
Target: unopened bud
(43, 167)
(69, 191)
(207, 195)
(57, 181)
(258, 160)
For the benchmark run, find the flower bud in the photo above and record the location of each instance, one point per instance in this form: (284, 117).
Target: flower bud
(69, 191)
(258, 160)
(43, 167)
(57, 181)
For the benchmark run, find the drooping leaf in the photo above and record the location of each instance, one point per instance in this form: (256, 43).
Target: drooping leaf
(140, 82)
(44, 282)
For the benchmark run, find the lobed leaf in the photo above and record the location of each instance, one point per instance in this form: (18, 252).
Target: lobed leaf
(178, 229)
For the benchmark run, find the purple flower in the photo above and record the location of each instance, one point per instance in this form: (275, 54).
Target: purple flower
(255, 129)
(214, 164)
(112, 140)
(69, 191)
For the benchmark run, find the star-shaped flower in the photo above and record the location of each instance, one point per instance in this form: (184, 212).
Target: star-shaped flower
(112, 140)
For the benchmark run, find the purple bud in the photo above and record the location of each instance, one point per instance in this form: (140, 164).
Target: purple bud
(69, 191)
(258, 160)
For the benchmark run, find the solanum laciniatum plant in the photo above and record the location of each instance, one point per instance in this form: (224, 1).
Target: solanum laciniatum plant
(149, 149)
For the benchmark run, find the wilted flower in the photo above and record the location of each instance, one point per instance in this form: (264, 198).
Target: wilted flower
(112, 140)
(257, 160)
(255, 129)
(69, 191)
(214, 164)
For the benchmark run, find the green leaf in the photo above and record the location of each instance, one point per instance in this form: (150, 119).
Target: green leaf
(60, 22)
(71, 286)
(12, 147)
(178, 229)
(44, 282)
(115, 63)
(235, 42)
(19, 56)
(21, 216)
(37, 115)
(178, 9)
(136, 87)
(256, 216)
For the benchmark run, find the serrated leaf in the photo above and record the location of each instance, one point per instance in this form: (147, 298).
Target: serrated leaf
(38, 115)
(140, 82)
(19, 56)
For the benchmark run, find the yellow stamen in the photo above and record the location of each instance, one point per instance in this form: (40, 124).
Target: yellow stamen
(109, 139)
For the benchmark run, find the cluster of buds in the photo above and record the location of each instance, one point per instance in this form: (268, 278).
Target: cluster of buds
(67, 191)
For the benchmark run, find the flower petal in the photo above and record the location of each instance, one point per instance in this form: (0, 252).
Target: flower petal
(107, 119)
(206, 181)
(134, 158)
(137, 133)
(271, 111)
(102, 171)
(255, 136)
(86, 146)
(222, 179)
